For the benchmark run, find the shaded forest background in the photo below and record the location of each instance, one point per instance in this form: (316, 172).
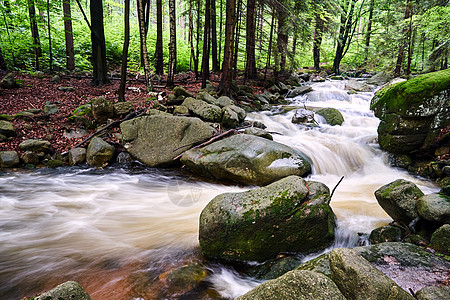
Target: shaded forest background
(238, 37)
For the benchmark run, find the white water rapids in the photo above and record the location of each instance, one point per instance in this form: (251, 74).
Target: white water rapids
(116, 230)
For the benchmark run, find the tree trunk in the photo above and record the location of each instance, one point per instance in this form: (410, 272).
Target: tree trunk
(205, 57)
(318, 34)
(404, 41)
(68, 34)
(410, 47)
(369, 31)
(98, 44)
(35, 34)
(215, 61)
(143, 40)
(225, 86)
(237, 36)
(159, 56)
(172, 45)
(191, 40)
(269, 51)
(2, 61)
(282, 41)
(126, 43)
(220, 32)
(344, 33)
(197, 42)
(50, 66)
(250, 67)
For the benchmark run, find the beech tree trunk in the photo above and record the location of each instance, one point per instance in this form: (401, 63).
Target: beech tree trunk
(126, 43)
(250, 67)
(205, 57)
(143, 40)
(172, 45)
(159, 56)
(35, 34)
(68, 35)
(98, 44)
(225, 86)
(317, 41)
(215, 61)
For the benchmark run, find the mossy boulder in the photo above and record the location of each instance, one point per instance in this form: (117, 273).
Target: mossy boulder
(30, 158)
(386, 234)
(399, 200)
(182, 280)
(290, 215)
(434, 208)
(181, 91)
(8, 82)
(440, 240)
(358, 279)
(331, 115)
(258, 132)
(232, 116)
(7, 128)
(297, 91)
(69, 290)
(294, 285)
(102, 109)
(35, 145)
(203, 110)
(434, 293)
(358, 86)
(156, 140)
(274, 268)
(99, 152)
(247, 159)
(413, 113)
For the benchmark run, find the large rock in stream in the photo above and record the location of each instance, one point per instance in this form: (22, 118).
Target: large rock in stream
(156, 140)
(413, 113)
(290, 215)
(247, 159)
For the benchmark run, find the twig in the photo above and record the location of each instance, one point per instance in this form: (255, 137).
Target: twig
(332, 192)
(127, 117)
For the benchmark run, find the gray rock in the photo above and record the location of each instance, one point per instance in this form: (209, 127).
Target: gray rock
(398, 199)
(259, 224)
(302, 116)
(2, 138)
(9, 159)
(30, 157)
(379, 78)
(99, 152)
(247, 159)
(35, 145)
(434, 208)
(102, 109)
(246, 88)
(50, 108)
(283, 88)
(203, 110)
(69, 290)
(296, 285)
(258, 132)
(181, 91)
(157, 140)
(299, 91)
(7, 128)
(205, 96)
(319, 264)
(8, 82)
(66, 89)
(358, 86)
(77, 156)
(274, 89)
(75, 133)
(56, 79)
(224, 101)
(180, 110)
(331, 115)
(122, 108)
(386, 234)
(440, 240)
(434, 293)
(358, 279)
(232, 116)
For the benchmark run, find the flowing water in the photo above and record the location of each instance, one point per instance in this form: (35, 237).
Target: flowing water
(119, 231)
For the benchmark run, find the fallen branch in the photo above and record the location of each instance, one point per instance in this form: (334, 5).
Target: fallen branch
(332, 192)
(131, 115)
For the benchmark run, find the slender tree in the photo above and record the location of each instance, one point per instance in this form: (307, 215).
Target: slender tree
(49, 37)
(172, 45)
(126, 43)
(206, 38)
(282, 40)
(225, 86)
(215, 61)
(2, 61)
(159, 57)
(35, 34)
(369, 31)
(143, 39)
(404, 41)
(318, 34)
(98, 44)
(250, 67)
(237, 35)
(191, 40)
(345, 32)
(68, 35)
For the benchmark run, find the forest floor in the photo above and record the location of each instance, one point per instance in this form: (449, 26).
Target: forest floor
(35, 91)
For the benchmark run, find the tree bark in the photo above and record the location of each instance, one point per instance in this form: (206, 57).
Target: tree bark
(159, 56)
(98, 44)
(344, 33)
(269, 51)
(35, 34)
(172, 45)
(225, 86)
(126, 43)
(215, 61)
(50, 66)
(369, 31)
(197, 51)
(237, 35)
(68, 34)
(282, 40)
(318, 34)
(404, 41)
(143, 39)
(205, 57)
(191, 40)
(2, 61)
(250, 67)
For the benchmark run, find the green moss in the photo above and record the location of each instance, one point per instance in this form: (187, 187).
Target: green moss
(403, 95)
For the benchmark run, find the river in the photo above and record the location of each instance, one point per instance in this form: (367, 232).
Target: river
(118, 231)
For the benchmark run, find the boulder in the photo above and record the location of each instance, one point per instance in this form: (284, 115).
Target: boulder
(224, 101)
(258, 132)
(299, 91)
(274, 268)
(181, 91)
(204, 96)
(247, 159)
(440, 240)
(180, 110)
(8, 82)
(7, 128)
(50, 108)
(156, 140)
(434, 293)
(413, 113)
(398, 199)
(331, 115)
(66, 89)
(122, 108)
(386, 234)
(102, 109)
(319, 264)
(69, 290)
(302, 116)
(355, 85)
(246, 88)
(434, 208)
(290, 215)
(358, 279)
(232, 116)
(35, 145)
(181, 281)
(379, 78)
(77, 156)
(99, 152)
(295, 285)
(203, 110)
(30, 158)
(9, 159)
